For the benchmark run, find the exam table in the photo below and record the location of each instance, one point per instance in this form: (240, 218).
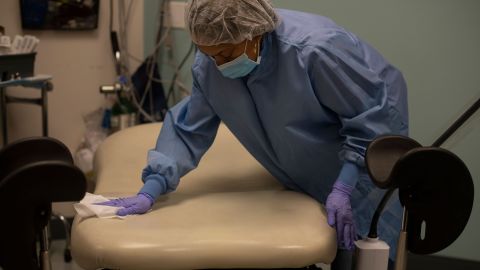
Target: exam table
(228, 213)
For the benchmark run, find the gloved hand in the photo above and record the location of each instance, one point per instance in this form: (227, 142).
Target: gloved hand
(134, 205)
(340, 216)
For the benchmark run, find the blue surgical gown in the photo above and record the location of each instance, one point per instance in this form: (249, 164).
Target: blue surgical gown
(318, 97)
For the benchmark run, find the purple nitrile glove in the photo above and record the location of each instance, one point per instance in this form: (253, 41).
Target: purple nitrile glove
(134, 205)
(340, 216)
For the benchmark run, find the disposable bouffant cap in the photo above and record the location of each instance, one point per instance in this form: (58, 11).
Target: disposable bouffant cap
(213, 22)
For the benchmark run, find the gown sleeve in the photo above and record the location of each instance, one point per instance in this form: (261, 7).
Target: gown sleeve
(188, 131)
(355, 83)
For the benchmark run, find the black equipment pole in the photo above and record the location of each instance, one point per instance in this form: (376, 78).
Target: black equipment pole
(457, 124)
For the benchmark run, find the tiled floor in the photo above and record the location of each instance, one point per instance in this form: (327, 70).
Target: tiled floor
(56, 253)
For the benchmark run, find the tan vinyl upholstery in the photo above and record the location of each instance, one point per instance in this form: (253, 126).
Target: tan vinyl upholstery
(228, 213)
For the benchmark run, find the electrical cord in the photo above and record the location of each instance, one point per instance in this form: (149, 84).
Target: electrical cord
(162, 39)
(177, 71)
(175, 67)
(123, 70)
(378, 212)
(111, 16)
(150, 60)
(153, 59)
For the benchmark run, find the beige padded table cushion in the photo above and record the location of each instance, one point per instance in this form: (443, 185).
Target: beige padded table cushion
(228, 213)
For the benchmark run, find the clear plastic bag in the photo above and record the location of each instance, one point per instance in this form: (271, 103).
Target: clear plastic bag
(95, 134)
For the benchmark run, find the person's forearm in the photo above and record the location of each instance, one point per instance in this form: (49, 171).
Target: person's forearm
(154, 186)
(349, 174)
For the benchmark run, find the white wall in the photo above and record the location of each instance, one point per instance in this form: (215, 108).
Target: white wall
(79, 61)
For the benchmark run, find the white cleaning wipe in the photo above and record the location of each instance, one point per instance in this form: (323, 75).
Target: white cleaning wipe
(87, 207)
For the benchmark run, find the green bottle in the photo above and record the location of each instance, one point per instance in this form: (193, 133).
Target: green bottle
(123, 114)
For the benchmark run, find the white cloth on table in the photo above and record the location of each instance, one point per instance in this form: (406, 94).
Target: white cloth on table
(88, 207)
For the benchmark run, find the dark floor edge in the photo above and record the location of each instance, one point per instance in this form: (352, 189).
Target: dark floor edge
(423, 262)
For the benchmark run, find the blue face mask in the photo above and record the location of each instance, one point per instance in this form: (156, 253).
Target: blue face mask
(239, 67)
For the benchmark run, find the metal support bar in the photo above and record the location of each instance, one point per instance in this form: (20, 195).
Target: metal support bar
(465, 116)
(34, 101)
(45, 262)
(42, 102)
(3, 108)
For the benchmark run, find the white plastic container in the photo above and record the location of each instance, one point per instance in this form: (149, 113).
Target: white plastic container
(371, 254)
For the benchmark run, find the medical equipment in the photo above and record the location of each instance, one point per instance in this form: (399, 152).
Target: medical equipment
(117, 57)
(435, 188)
(229, 213)
(144, 87)
(34, 173)
(122, 113)
(17, 70)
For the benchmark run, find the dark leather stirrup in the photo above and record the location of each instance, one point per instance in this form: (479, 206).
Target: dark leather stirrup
(435, 187)
(382, 155)
(34, 173)
(437, 190)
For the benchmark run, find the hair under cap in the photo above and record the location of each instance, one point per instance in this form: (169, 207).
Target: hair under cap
(213, 22)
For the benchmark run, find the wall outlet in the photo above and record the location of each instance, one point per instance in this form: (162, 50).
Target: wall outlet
(176, 14)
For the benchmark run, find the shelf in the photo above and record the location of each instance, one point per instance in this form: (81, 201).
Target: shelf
(21, 64)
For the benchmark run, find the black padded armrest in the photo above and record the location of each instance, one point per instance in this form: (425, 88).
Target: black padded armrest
(30, 150)
(43, 182)
(34, 173)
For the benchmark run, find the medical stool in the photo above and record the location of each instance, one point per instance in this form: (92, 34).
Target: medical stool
(34, 173)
